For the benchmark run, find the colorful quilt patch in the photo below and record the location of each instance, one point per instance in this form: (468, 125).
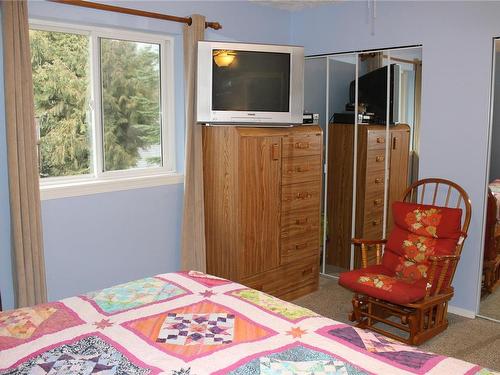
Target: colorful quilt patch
(274, 305)
(197, 330)
(134, 294)
(22, 323)
(298, 359)
(90, 355)
(25, 324)
(391, 351)
(270, 366)
(204, 279)
(484, 371)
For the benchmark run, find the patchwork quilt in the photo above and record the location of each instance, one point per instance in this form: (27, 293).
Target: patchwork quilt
(193, 324)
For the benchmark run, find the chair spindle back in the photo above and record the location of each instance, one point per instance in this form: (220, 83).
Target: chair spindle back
(442, 193)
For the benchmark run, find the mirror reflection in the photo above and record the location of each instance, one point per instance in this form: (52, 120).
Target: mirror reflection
(369, 109)
(489, 305)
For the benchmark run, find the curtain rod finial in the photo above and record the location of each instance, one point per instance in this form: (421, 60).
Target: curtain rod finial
(213, 25)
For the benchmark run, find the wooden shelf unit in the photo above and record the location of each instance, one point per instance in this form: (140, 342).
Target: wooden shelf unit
(262, 206)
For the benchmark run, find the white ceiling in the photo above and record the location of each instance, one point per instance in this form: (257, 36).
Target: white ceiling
(292, 5)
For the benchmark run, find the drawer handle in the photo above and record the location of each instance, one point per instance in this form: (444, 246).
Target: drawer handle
(301, 245)
(275, 151)
(380, 140)
(379, 181)
(307, 271)
(376, 222)
(302, 145)
(380, 158)
(302, 221)
(377, 202)
(303, 169)
(304, 195)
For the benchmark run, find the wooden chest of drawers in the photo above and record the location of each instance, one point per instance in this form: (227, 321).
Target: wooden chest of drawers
(262, 206)
(370, 188)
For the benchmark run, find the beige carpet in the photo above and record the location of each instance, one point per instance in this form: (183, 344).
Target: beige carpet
(490, 305)
(473, 340)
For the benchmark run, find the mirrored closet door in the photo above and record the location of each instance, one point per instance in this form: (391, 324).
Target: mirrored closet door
(489, 305)
(368, 105)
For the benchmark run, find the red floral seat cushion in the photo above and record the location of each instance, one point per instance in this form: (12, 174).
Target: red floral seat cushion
(380, 282)
(420, 231)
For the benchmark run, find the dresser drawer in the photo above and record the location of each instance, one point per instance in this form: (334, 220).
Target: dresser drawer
(301, 169)
(375, 160)
(281, 281)
(374, 200)
(374, 219)
(375, 181)
(299, 223)
(306, 195)
(298, 247)
(373, 225)
(302, 145)
(373, 206)
(376, 140)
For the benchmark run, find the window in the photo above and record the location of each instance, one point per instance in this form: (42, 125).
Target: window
(61, 78)
(102, 104)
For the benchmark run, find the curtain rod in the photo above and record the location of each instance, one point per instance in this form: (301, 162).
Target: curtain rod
(134, 12)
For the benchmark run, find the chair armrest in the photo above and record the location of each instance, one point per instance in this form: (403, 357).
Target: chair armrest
(367, 245)
(360, 241)
(446, 262)
(441, 258)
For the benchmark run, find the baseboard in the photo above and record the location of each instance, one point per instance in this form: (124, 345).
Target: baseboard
(462, 312)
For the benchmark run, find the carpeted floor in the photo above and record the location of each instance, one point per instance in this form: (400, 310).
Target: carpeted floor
(490, 305)
(473, 340)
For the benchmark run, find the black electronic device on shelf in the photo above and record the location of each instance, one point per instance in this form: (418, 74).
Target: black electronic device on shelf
(372, 93)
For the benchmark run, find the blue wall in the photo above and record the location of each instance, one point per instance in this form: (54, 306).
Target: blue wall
(457, 52)
(99, 240)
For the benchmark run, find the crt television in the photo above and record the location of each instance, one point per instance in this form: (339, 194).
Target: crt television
(251, 84)
(372, 91)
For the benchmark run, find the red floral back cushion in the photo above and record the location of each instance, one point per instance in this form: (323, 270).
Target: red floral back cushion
(419, 232)
(427, 220)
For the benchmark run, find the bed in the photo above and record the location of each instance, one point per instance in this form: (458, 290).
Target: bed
(192, 323)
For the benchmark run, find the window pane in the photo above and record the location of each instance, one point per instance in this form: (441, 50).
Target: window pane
(130, 75)
(60, 63)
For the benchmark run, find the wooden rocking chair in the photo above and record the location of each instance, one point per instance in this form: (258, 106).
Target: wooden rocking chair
(408, 289)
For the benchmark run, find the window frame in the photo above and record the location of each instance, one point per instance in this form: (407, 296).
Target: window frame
(99, 180)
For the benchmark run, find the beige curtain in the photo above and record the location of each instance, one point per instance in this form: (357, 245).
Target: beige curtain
(29, 279)
(193, 225)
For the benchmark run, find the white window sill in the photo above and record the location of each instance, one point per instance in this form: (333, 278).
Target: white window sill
(89, 187)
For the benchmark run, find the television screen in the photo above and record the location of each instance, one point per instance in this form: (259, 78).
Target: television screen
(254, 81)
(372, 91)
